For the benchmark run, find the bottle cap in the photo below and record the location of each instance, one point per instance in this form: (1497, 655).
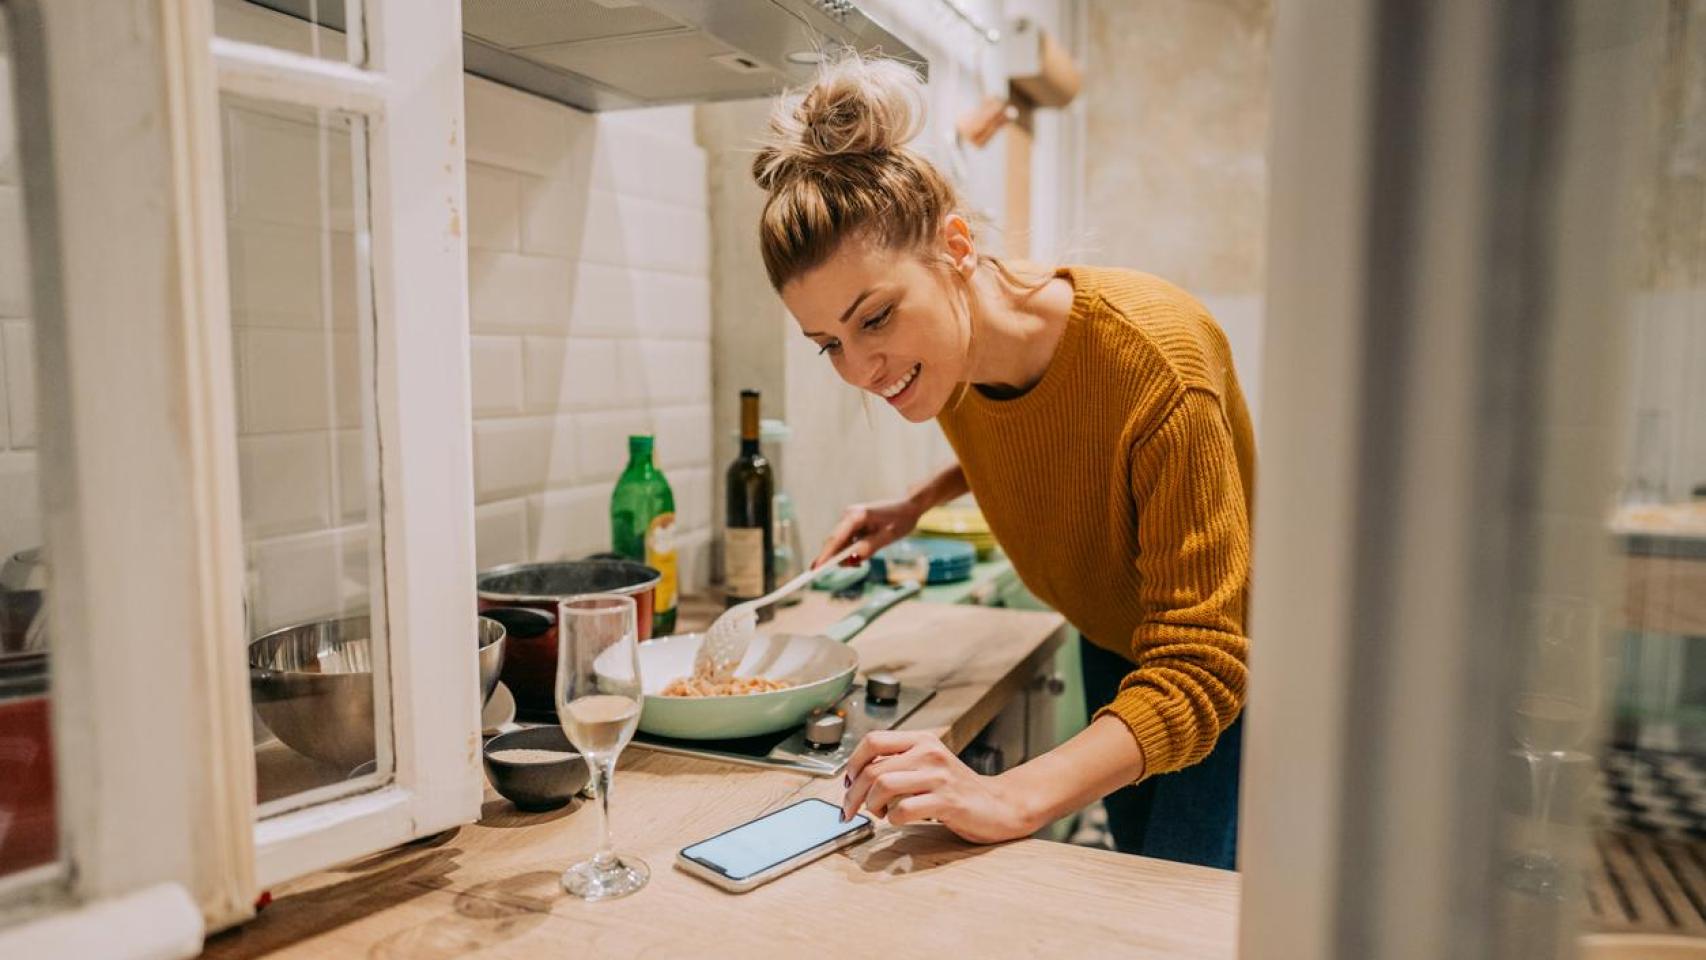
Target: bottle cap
(640, 444)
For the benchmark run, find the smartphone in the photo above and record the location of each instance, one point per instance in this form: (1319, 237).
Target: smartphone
(759, 851)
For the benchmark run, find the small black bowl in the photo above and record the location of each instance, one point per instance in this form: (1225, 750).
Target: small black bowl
(545, 785)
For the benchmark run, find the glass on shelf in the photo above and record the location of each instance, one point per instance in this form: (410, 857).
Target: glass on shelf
(1649, 470)
(790, 553)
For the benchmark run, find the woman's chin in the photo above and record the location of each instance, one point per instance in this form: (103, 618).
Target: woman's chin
(922, 409)
(917, 403)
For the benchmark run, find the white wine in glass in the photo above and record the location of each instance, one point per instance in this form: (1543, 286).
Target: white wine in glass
(598, 705)
(601, 724)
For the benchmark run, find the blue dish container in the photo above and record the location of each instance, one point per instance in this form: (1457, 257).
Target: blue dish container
(950, 560)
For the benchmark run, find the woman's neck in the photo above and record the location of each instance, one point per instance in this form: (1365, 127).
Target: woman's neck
(1015, 329)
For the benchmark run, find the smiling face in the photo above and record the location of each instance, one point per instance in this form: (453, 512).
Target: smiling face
(889, 321)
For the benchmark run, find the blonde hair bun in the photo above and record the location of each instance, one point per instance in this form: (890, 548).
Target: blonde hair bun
(837, 164)
(856, 106)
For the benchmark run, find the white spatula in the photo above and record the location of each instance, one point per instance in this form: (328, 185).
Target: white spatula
(725, 643)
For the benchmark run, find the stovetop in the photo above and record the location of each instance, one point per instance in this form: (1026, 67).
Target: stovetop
(788, 749)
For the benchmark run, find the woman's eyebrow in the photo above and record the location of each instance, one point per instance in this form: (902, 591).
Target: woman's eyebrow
(855, 304)
(846, 313)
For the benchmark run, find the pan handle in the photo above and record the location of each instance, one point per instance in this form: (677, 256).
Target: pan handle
(844, 629)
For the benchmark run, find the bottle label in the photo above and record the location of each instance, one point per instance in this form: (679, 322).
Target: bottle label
(661, 556)
(743, 561)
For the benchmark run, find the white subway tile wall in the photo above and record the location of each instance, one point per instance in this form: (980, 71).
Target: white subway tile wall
(590, 300)
(20, 499)
(300, 364)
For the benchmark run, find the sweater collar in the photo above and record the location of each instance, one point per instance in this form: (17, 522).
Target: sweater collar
(1059, 366)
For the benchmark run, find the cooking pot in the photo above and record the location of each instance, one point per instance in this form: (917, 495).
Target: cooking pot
(524, 597)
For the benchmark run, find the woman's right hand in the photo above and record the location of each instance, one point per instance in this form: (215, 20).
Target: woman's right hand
(869, 527)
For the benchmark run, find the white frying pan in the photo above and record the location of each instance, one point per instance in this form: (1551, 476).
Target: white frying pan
(820, 669)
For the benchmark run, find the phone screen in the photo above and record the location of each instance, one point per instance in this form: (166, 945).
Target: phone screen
(752, 848)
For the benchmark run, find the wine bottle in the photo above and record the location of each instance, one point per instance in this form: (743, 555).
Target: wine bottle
(749, 561)
(642, 527)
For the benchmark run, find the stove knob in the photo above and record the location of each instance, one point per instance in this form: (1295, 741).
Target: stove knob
(825, 732)
(882, 688)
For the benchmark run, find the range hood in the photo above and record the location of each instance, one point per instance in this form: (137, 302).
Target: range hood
(615, 54)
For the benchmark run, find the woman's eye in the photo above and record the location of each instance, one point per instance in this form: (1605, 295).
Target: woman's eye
(879, 319)
(829, 346)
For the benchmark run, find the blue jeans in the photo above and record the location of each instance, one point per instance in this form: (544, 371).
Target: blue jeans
(1191, 815)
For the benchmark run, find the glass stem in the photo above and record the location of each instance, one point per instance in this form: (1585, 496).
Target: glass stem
(1542, 780)
(604, 771)
(1545, 784)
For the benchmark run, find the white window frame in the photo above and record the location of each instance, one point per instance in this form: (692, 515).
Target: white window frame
(119, 136)
(410, 95)
(149, 696)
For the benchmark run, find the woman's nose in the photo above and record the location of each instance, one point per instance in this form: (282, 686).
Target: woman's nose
(859, 369)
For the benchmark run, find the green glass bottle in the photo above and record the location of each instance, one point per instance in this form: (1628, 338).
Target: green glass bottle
(642, 526)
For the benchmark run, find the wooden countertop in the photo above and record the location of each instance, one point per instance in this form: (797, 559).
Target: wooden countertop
(491, 888)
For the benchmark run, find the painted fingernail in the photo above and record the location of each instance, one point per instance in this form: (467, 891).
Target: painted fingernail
(847, 780)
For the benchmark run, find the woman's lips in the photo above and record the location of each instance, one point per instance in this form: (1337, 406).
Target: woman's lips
(901, 387)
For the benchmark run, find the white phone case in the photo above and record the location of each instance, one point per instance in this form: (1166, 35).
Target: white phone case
(716, 878)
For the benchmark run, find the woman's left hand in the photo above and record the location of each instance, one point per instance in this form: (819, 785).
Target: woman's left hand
(911, 777)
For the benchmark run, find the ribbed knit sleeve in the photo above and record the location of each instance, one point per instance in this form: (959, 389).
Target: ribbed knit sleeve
(1193, 563)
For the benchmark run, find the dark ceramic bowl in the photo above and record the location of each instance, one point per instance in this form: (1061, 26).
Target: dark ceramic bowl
(544, 785)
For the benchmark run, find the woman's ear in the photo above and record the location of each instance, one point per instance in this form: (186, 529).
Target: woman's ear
(958, 245)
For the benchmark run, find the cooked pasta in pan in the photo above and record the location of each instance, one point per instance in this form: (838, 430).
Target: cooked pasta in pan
(696, 686)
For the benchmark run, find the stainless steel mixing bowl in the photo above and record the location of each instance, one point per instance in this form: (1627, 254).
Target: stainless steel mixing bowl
(492, 636)
(312, 685)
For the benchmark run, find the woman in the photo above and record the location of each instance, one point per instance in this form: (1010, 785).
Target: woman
(1098, 421)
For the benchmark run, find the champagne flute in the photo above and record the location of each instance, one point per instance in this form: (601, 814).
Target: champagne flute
(598, 704)
(1555, 717)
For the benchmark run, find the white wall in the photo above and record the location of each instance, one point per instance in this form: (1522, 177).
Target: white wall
(1667, 380)
(1174, 152)
(297, 350)
(589, 255)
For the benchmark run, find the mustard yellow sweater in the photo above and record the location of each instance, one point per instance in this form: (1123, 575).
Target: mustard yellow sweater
(1119, 486)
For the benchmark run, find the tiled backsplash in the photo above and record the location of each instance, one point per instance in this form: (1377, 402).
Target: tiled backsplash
(589, 290)
(589, 295)
(20, 514)
(297, 352)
